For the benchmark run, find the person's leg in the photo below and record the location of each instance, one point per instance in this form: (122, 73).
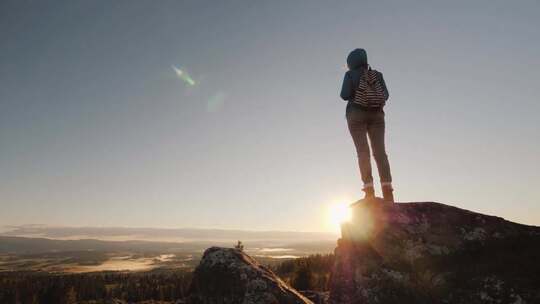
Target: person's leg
(357, 123)
(376, 128)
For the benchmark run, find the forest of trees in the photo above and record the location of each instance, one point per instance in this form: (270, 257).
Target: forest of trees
(307, 273)
(38, 288)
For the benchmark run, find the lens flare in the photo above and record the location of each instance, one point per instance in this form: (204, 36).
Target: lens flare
(216, 102)
(184, 76)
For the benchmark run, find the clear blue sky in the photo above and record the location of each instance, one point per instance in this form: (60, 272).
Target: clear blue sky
(96, 128)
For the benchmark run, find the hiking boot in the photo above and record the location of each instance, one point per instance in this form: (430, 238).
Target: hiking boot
(388, 195)
(369, 192)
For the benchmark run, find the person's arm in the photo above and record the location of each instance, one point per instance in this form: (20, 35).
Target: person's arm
(386, 94)
(346, 87)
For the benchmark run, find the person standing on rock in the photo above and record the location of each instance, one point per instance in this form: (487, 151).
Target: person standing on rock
(365, 91)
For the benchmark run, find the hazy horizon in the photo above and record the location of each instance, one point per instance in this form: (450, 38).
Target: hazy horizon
(161, 234)
(227, 114)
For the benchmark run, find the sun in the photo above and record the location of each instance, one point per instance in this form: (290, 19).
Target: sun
(337, 214)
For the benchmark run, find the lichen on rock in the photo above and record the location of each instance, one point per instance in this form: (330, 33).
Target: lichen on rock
(229, 276)
(434, 253)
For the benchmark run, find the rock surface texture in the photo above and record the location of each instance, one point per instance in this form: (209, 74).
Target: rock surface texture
(227, 275)
(434, 253)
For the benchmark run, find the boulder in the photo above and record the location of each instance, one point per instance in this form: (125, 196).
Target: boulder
(228, 275)
(434, 253)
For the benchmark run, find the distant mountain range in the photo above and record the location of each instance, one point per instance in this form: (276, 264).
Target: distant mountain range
(37, 239)
(160, 234)
(24, 245)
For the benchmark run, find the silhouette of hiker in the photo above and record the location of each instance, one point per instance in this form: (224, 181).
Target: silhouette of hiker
(366, 93)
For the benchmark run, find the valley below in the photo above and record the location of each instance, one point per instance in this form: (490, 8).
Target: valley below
(21, 254)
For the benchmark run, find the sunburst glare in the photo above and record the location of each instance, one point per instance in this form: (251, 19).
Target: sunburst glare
(338, 213)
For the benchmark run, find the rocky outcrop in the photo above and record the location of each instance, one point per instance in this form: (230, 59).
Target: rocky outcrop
(434, 253)
(227, 275)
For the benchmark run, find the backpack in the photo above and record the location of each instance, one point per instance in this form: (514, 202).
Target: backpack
(370, 91)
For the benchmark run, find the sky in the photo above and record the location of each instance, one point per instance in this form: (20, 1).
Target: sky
(226, 114)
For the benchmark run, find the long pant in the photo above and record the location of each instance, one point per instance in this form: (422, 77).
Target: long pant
(370, 123)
